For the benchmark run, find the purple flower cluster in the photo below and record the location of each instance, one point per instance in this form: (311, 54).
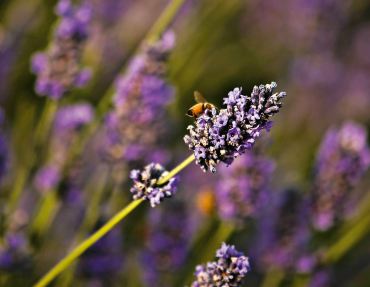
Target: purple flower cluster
(224, 135)
(135, 126)
(241, 189)
(167, 242)
(68, 121)
(58, 69)
(342, 160)
(145, 184)
(283, 234)
(229, 269)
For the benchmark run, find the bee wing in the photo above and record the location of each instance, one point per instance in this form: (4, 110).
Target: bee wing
(199, 97)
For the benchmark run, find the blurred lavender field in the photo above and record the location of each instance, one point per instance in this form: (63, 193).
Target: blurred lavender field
(93, 91)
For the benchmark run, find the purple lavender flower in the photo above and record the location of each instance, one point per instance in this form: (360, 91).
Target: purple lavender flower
(58, 69)
(283, 234)
(68, 121)
(342, 160)
(167, 243)
(213, 141)
(241, 189)
(14, 253)
(229, 269)
(139, 105)
(145, 181)
(103, 260)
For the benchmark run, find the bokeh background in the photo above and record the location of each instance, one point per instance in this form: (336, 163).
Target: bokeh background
(316, 51)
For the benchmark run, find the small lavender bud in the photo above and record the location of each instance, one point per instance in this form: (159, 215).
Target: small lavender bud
(224, 135)
(145, 184)
(343, 159)
(229, 269)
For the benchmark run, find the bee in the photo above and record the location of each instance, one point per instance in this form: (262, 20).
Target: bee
(199, 108)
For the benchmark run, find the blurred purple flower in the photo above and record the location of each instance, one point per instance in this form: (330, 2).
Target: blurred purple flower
(68, 121)
(213, 141)
(134, 127)
(241, 188)
(73, 117)
(14, 253)
(58, 69)
(144, 186)
(47, 178)
(4, 149)
(167, 243)
(283, 234)
(320, 278)
(104, 259)
(342, 160)
(229, 269)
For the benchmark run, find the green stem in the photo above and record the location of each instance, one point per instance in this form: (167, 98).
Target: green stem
(176, 170)
(83, 246)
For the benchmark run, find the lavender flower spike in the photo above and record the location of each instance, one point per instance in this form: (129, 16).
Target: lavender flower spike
(145, 184)
(58, 69)
(224, 135)
(229, 269)
(343, 158)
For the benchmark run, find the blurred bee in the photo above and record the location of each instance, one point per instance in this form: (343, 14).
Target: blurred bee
(201, 105)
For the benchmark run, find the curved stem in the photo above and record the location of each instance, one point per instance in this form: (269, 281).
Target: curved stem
(83, 246)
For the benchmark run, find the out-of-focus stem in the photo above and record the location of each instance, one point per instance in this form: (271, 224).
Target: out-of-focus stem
(46, 212)
(19, 183)
(351, 233)
(164, 21)
(348, 240)
(273, 278)
(41, 133)
(45, 122)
